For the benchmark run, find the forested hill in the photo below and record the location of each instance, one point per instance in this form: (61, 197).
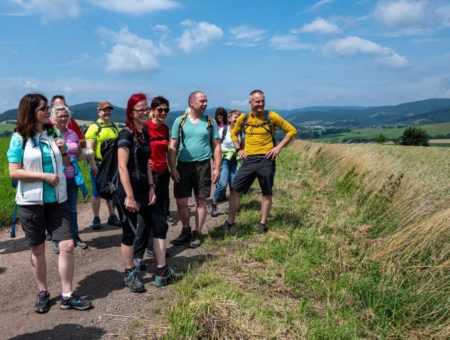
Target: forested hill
(419, 112)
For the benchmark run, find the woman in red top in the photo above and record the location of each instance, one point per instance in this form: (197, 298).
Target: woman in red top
(159, 139)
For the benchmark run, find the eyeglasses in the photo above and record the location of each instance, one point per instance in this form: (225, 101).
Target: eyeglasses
(147, 109)
(161, 110)
(63, 117)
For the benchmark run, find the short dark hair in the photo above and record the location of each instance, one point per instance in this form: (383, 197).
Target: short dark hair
(158, 101)
(256, 91)
(58, 96)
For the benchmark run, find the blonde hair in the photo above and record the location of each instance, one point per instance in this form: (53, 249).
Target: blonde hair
(54, 110)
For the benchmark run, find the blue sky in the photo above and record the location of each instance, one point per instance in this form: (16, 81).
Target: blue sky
(301, 53)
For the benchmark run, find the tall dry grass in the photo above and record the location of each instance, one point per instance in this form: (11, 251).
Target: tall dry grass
(405, 192)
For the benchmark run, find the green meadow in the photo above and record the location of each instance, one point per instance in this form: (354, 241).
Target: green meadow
(356, 249)
(440, 129)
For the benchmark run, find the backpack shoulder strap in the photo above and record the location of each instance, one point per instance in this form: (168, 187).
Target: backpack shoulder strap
(180, 129)
(224, 133)
(99, 128)
(114, 127)
(211, 131)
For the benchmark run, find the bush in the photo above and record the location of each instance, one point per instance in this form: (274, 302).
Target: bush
(415, 136)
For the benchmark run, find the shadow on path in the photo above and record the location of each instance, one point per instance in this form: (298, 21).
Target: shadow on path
(64, 331)
(100, 284)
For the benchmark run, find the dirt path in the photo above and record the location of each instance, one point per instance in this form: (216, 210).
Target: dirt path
(98, 273)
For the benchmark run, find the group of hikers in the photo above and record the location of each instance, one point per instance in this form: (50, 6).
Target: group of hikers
(230, 150)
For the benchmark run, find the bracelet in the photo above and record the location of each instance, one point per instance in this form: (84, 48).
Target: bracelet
(152, 184)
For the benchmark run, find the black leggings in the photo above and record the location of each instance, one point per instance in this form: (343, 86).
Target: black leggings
(153, 218)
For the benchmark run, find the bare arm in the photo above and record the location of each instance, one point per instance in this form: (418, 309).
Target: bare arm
(173, 147)
(16, 172)
(123, 154)
(151, 192)
(90, 155)
(217, 160)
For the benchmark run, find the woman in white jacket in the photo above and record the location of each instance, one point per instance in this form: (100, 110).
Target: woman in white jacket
(36, 158)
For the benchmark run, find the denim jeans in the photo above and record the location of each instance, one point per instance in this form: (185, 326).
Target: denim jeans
(72, 198)
(228, 170)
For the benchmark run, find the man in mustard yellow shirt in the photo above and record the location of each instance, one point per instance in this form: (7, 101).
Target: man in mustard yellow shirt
(258, 154)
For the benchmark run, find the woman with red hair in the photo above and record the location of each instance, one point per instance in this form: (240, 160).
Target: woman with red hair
(136, 195)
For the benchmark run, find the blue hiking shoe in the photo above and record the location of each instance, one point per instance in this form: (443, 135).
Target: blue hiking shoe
(168, 277)
(42, 304)
(133, 281)
(75, 302)
(114, 221)
(96, 225)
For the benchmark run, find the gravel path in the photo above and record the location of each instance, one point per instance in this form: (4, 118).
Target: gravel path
(117, 312)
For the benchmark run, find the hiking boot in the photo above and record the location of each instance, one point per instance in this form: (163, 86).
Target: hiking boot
(96, 225)
(139, 263)
(262, 228)
(167, 277)
(214, 212)
(227, 226)
(75, 302)
(133, 281)
(196, 240)
(79, 244)
(55, 247)
(42, 304)
(114, 221)
(185, 237)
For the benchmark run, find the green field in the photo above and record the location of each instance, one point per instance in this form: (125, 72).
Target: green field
(7, 127)
(373, 133)
(7, 194)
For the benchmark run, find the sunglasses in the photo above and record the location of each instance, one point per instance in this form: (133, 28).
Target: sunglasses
(161, 110)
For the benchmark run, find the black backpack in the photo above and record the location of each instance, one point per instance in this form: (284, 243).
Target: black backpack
(107, 178)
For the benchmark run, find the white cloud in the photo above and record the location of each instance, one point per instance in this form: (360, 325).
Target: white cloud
(50, 9)
(287, 42)
(351, 46)
(400, 13)
(135, 7)
(408, 17)
(320, 26)
(316, 6)
(320, 3)
(198, 35)
(247, 33)
(132, 53)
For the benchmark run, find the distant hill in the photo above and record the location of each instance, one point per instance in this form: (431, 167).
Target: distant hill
(424, 112)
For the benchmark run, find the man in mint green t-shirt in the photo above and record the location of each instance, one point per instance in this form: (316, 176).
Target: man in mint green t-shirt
(194, 140)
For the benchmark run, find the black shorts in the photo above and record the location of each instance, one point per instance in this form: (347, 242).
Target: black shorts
(53, 217)
(193, 175)
(255, 167)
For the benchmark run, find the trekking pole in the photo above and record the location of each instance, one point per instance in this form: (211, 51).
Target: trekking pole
(12, 230)
(13, 222)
